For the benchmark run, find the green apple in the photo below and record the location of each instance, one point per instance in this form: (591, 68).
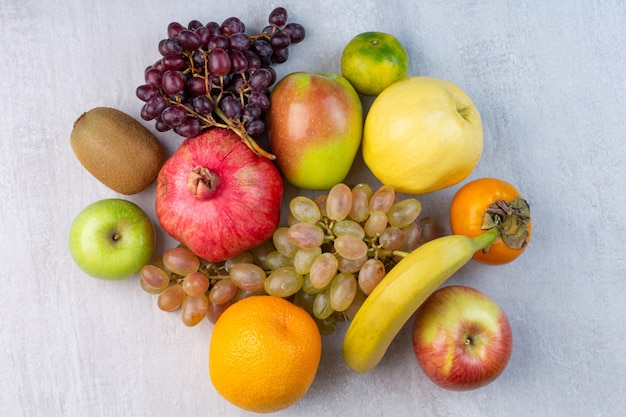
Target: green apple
(314, 128)
(112, 239)
(462, 338)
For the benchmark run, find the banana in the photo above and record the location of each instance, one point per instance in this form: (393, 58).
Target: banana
(398, 296)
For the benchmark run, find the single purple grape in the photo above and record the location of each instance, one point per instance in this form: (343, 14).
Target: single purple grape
(174, 62)
(145, 112)
(232, 25)
(173, 47)
(189, 129)
(295, 31)
(238, 61)
(204, 34)
(254, 62)
(174, 115)
(153, 108)
(251, 111)
(219, 62)
(261, 99)
(202, 105)
(194, 24)
(214, 28)
(262, 48)
(198, 57)
(280, 40)
(173, 82)
(189, 40)
(231, 107)
(173, 29)
(146, 92)
(260, 79)
(218, 41)
(154, 77)
(278, 17)
(196, 86)
(255, 127)
(239, 41)
(161, 126)
(280, 55)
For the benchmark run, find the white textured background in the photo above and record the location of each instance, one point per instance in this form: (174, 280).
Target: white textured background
(549, 80)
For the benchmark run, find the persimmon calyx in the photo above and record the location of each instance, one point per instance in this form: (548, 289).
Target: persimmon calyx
(511, 219)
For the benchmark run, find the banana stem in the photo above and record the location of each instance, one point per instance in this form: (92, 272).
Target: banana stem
(481, 242)
(486, 239)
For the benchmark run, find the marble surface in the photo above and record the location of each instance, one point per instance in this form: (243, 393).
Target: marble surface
(549, 80)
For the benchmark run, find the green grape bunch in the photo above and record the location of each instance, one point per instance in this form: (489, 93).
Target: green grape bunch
(330, 256)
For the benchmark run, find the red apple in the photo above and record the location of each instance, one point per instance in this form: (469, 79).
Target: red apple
(462, 338)
(314, 128)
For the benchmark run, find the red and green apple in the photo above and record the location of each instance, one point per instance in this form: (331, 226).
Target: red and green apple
(462, 338)
(314, 128)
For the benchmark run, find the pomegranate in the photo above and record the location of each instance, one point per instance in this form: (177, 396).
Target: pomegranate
(218, 198)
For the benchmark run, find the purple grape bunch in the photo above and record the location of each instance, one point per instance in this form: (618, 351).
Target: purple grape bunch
(216, 75)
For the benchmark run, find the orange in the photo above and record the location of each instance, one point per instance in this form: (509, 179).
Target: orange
(264, 353)
(372, 61)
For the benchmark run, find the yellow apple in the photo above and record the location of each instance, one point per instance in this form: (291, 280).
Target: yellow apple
(421, 135)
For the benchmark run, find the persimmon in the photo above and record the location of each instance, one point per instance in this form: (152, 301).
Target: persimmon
(488, 203)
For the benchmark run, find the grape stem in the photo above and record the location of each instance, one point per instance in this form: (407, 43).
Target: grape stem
(229, 124)
(385, 253)
(245, 137)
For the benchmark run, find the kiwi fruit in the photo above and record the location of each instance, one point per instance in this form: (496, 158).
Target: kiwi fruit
(116, 149)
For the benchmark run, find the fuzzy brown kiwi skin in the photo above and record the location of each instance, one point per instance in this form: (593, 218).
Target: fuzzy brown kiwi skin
(117, 150)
